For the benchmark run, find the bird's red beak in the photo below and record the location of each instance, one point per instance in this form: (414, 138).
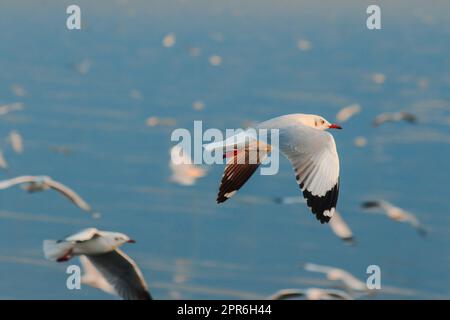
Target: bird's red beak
(131, 241)
(335, 126)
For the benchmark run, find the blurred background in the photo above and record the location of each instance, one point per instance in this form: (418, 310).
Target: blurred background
(98, 106)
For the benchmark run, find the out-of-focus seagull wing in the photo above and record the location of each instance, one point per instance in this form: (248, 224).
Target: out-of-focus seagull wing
(122, 274)
(4, 184)
(338, 294)
(68, 193)
(341, 229)
(92, 277)
(318, 268)
(83, 235)
(286, 294)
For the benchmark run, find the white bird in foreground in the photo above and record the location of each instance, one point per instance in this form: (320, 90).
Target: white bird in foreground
(336, 274)
(394, 117)
(41, 183)
(184, 172)
(347, 112)
(397, 214)
(303, 140)
(100, 248)
(311, 294)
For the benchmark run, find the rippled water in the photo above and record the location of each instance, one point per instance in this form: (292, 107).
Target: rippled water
(188, 246)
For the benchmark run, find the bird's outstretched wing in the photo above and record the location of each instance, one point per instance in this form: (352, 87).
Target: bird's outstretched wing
(83, 235)
(240, 167)
(68, 193)
(122, 274)
(313, 155)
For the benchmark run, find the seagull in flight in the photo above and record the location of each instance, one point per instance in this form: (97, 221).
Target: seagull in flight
(396, 213)
(304, 141)
(394, 117)
(42, 183)
(116, 272)
(336, 274)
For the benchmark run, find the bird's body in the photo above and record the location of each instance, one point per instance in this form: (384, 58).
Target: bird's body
(106, 266)
(303, 140)
(397, 214)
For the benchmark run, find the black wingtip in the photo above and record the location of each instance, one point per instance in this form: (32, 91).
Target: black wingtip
(370, 204)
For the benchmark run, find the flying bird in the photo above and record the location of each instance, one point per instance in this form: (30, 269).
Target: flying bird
(341, 229)
(397, 214)
(347, 112)
(42, 183)
(394, 117)
(336, 274)
(311, 294)
(16, 141)
(3, 162)
(7, 108)
(184, 172)
(303, 140)
(100, 248)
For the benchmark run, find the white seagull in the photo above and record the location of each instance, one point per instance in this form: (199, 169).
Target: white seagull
(41, 183)
(304, 141)
(336, 274)
(184, 172)
(101, 249)
(341, 229)
(16, 141)
(347, 112)
(394, 117)
(397, 214)
(311, 294)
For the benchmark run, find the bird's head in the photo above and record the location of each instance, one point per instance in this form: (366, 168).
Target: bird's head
(117, 239)
(317, 122)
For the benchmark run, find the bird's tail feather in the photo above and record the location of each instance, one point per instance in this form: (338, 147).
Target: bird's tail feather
(56, 250)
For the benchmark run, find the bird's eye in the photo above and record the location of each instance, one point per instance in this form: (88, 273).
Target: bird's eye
(117, 239)
(322, 121)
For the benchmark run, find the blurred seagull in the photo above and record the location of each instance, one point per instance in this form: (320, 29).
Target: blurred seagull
(303, 140)
(7, 108)
(16, 141)
(3, 162)
(337, 224)
(311, 294)
(336, 274)
(346, 113)
(100, 248)
(42, 183)
(394, 117)
(397, 214)
(184, 172)
(341, 229)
